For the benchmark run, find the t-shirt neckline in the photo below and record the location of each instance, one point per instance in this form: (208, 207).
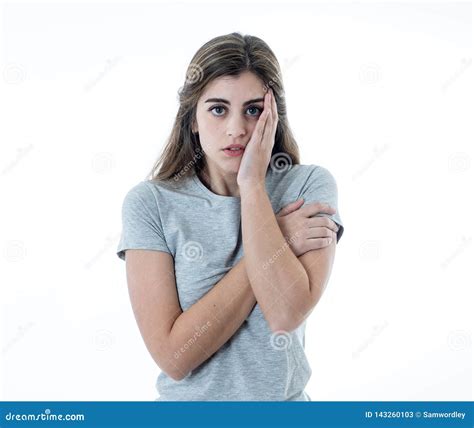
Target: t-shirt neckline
(213, 195)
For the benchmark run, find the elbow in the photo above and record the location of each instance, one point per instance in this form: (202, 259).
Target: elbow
(176, 375)
(170, 365)
(174, 372)
(290, 321)
(282, 325)
(175, 369)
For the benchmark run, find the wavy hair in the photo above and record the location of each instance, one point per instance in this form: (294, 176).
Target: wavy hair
(227, 55)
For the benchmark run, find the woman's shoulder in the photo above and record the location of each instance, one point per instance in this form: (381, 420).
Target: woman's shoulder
(150, 191)
(301, 172)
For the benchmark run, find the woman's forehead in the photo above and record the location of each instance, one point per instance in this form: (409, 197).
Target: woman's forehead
(238, 87)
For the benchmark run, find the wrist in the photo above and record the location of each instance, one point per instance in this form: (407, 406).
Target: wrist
(251, 190)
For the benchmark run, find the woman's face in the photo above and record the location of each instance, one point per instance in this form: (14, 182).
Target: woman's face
(227, 113)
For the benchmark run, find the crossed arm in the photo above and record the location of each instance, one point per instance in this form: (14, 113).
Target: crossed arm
(170, 334)
(286, 287)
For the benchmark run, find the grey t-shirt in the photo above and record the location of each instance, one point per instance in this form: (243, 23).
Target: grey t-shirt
(202, 231)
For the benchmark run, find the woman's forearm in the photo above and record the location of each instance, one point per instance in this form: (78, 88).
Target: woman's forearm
(203, 328)
(278, 279)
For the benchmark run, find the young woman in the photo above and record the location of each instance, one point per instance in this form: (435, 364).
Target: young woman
(220, 285)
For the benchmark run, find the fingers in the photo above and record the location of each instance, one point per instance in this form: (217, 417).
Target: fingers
(322, 222)
(262, 121)
(321, 243)
(317, 207)
(290, 207)
(268, 111)
(274, 112)
(320, 232)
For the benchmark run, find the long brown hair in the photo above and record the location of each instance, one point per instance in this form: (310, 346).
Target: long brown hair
(227, 55)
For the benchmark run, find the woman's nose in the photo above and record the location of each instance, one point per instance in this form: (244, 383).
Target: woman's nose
(235, 127)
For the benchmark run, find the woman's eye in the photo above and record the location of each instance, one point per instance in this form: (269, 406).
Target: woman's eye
(255, 108)
(217, 107)
(219, 110)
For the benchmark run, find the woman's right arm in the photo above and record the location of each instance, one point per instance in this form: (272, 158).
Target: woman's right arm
(181, 341)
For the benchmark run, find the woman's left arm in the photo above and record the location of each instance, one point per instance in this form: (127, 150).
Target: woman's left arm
(278, 279)
(286, 288)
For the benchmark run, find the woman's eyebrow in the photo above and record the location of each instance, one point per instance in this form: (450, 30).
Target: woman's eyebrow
(222, 100)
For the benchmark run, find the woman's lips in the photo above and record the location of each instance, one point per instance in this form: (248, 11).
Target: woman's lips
(234, 153)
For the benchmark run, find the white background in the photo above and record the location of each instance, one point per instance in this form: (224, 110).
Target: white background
(377, 93)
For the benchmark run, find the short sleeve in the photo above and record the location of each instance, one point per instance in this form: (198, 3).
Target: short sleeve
(141, 223)
(321, 186)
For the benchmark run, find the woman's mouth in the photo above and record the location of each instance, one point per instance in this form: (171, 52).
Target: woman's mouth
(233, 152)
